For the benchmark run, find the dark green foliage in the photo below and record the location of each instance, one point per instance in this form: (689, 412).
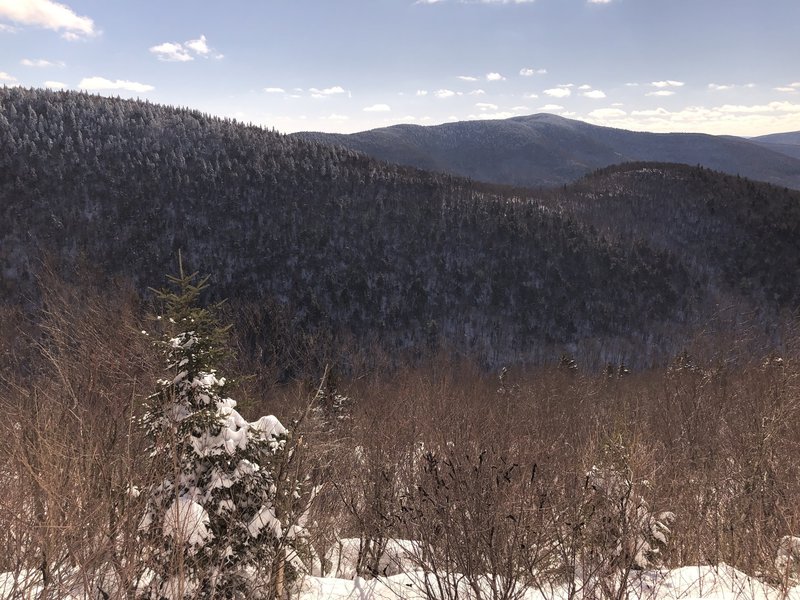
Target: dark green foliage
(210, 528)
(327, 246)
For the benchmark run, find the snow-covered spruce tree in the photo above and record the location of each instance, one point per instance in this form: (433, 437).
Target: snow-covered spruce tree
(210, 527)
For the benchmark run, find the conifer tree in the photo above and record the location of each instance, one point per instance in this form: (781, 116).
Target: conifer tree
(210, 523)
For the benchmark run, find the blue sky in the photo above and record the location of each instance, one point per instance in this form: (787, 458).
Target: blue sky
(714, 66)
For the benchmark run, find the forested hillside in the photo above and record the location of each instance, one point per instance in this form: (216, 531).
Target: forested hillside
(324, 241)
(545, 150)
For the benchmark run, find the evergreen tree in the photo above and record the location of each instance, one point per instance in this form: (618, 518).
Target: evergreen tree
(210, 523)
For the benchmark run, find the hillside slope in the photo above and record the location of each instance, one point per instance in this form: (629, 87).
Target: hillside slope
(329, 243)
(546, 150)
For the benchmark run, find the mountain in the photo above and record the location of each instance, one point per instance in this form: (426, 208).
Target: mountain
(546, 150)
(785, 143)
(791, 138)
(348, 254)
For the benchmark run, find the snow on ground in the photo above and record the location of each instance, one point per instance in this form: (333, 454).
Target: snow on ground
(721, 582)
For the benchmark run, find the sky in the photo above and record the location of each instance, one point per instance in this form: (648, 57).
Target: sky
(711, 66)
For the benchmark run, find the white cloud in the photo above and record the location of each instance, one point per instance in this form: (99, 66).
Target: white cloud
(559, 92)
(607, 113)
(494, 77)
(667, 83)
(528, 72)
(422, 92)
(585, 86)
(171, 52)
(326, 92)
(7, 28)
(746, 120)
(199, 46)
(444, 93)
(486, 106)
(377, 108)
(789, 89)
(55, 85)
(467, 78)
(631, 85)
(335, 117)
(595, 94)
(274, 90)
(661, 93)
(717, 87)
(599, 1)
(177, 52)
(520, 109)
(478, 92)
(40, 63)
(531, 96)
(551, 107)
(101, 83)
(6, 77)
(488, 116)
(48, 14)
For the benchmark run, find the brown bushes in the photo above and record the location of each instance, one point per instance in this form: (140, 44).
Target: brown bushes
(500, 483)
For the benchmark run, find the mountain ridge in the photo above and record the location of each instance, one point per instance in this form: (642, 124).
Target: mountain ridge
(544, 150)
(331, 250)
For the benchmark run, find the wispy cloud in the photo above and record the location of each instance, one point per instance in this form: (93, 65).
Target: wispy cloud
(103, 84)
(724, 119)
(559, 92)
(494, 77)
(667, 84)
(529, 72)
(327, 92)
(49, 15)
(422, 93)
(56, 85)
(551, 107)
(478, 92)
(661, 93)
(183, 52)
(274, 90)
(719, 87)
(444, 93)
(377, 108)
(6, 77)
(598, 1)
(486, 106)
(595, 94)
(336, 117)
(607, 113)
(40, 63)
(467, 78)
(789, 89)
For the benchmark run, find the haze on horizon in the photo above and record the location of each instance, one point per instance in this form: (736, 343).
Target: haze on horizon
(720, 67)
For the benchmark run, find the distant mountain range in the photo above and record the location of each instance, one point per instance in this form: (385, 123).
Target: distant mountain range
(544, 150)
(785, 143)
(328, 253)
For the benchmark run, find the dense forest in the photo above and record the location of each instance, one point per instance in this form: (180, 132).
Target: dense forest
(351, 252)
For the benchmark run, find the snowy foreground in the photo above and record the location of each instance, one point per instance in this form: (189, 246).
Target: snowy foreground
(712, 583)
(721, 582)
